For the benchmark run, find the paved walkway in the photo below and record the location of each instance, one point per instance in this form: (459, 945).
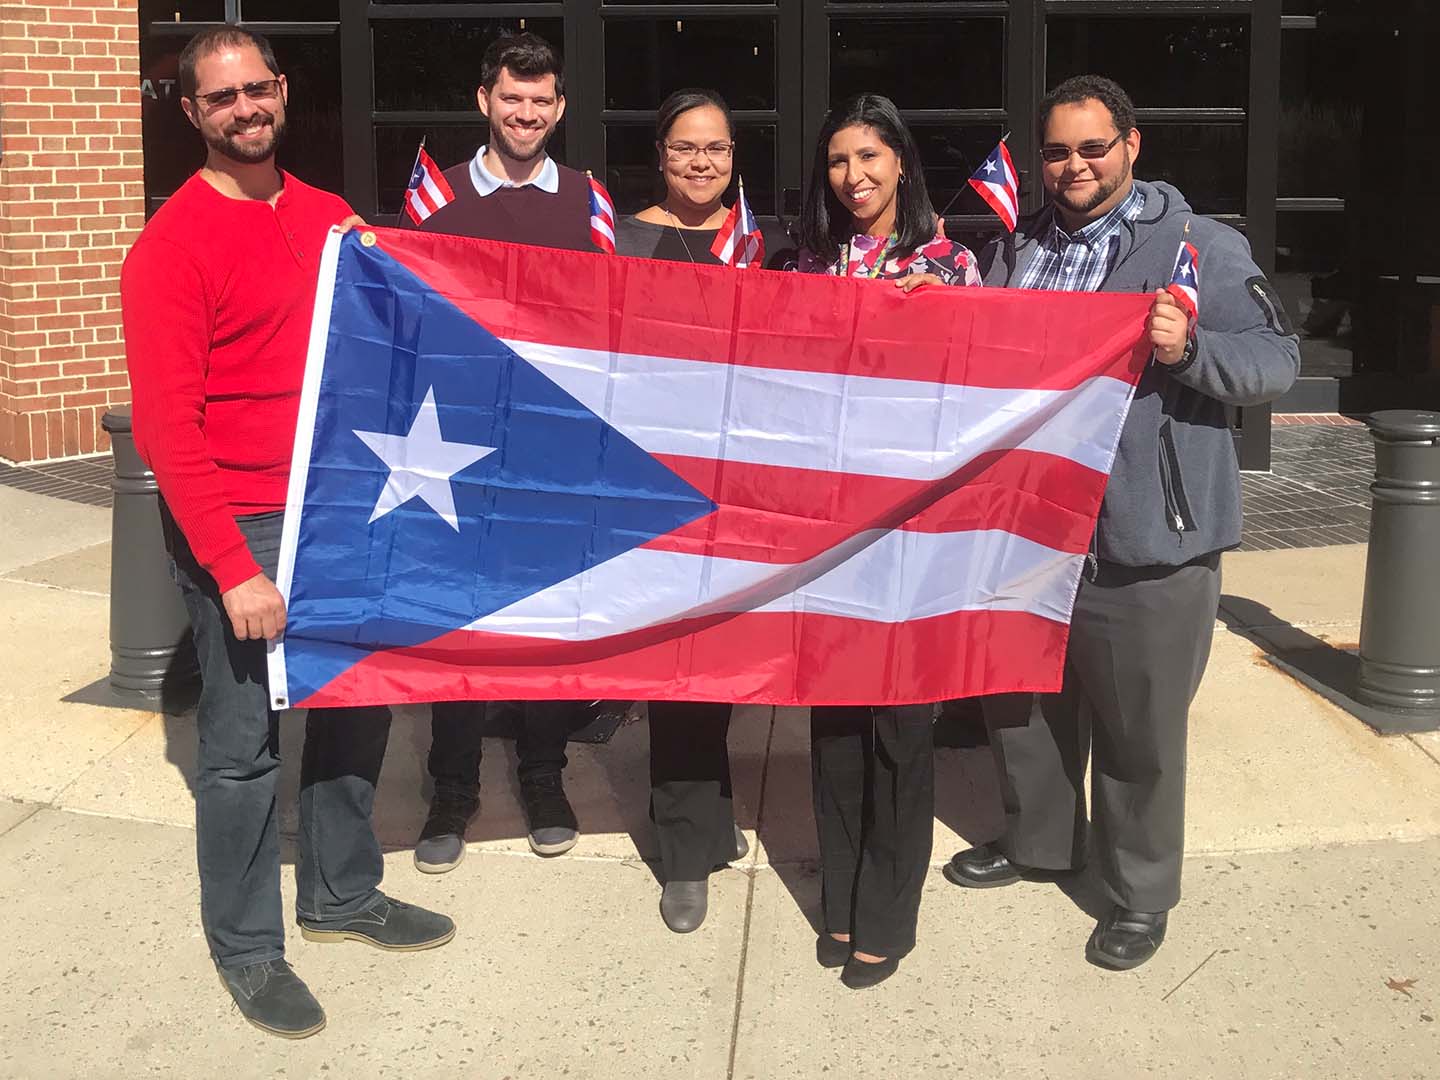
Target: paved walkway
(1308, 944)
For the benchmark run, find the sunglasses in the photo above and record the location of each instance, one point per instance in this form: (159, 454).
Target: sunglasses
(1093, 150)
(264, 90)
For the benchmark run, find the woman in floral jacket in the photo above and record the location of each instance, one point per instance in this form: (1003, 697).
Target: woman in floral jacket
(868, 215)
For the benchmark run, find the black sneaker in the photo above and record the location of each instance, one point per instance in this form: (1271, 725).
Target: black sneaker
(273, 998)
(553, 828)
(441, 845)
(387, 924)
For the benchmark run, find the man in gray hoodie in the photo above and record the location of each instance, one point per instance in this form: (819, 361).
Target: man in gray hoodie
(1145, 612)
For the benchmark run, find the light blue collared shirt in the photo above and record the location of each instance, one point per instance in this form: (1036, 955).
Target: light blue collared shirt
(487, 183)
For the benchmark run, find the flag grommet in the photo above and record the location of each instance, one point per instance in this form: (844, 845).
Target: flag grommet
(367, 238)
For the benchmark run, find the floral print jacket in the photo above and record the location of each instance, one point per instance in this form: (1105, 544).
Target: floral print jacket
(952, 263)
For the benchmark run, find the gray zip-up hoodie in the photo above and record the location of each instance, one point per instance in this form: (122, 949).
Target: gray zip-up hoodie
(1174, 493)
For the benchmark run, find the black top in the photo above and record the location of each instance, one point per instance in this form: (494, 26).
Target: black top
(644, 240)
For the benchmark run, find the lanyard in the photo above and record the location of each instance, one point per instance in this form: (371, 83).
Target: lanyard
(869, 272)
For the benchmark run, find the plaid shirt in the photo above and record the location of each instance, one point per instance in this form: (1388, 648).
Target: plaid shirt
(1081, 261)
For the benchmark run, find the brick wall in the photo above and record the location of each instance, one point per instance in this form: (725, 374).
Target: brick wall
(71, 202)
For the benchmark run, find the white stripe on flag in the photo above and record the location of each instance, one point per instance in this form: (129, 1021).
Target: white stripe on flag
(432, 190)
(1002, 193)
(884, 576)
(823, 421)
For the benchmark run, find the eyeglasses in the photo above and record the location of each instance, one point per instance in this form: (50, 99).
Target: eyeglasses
(684, 151)
(264, 90)
(1093, 150)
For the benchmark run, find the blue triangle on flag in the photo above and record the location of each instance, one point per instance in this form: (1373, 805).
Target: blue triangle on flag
(561, 491)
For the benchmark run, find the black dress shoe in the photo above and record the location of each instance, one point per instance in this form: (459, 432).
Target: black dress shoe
(683, 904)
(861, 974)
(1125, 939)
(982, 867)
(830, 952)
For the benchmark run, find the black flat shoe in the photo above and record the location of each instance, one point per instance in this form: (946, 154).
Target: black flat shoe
(982, 867)
(1125, 939)
(831, 953)
(861, 974)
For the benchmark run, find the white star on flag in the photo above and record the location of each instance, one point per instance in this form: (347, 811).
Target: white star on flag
(989, 166)
(421, 463)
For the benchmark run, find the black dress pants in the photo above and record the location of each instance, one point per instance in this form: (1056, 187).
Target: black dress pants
(873, 778)
(456, 742)
(690, 799)
(1139, 642)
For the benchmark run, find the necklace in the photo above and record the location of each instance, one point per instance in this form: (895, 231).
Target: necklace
(675, 224)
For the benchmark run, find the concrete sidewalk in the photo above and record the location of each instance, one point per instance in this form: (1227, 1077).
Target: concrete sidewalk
(1308, 944)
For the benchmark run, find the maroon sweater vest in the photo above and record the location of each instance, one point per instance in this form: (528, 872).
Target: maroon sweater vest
(524, 215)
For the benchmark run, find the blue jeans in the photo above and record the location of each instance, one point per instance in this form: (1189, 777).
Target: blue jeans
(236, 826)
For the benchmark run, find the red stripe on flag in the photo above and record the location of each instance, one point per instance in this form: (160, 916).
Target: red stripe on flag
(1003, 212)
(765, 658)
(775, 514)
(976, 337)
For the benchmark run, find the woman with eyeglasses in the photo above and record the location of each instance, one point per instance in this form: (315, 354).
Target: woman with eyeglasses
(868, 214)
(690, 800)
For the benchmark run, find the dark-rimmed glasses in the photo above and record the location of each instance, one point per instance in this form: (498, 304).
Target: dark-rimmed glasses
(263, 90)
(1092, 150)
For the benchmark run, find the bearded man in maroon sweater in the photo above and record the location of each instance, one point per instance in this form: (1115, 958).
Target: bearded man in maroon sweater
(510, 190)
(217, 296)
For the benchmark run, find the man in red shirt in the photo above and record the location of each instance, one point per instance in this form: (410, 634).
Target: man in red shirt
(217, 294)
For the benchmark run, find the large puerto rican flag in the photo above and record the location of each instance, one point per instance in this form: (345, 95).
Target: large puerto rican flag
(524, 473)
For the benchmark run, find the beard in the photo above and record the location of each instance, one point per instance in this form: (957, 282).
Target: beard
(500, 139)
(252, 153)
(1103, 191)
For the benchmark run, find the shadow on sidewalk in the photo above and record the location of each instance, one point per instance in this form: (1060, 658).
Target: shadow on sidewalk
(1330, 669)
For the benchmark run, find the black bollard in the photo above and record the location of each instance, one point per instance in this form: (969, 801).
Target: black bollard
(1400, 624)
(151, 655)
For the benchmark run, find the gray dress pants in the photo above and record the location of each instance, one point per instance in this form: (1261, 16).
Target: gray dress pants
(1139, 642)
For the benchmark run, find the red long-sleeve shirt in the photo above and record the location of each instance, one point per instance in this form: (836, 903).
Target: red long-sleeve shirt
(217, 296)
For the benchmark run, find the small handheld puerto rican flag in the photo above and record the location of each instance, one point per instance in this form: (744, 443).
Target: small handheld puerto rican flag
(1185, 280)
(428, 190)
(999, 184)
(602, 217)
(739, 243)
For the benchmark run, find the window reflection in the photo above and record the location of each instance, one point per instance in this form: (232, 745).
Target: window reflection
(1205, 161)
(646, 59)
(1317, 289)
(950, 154)
(1161, 62)
(435, 63)
(1321, 112)
(290, 10)
(171, 11)
(920, 63)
